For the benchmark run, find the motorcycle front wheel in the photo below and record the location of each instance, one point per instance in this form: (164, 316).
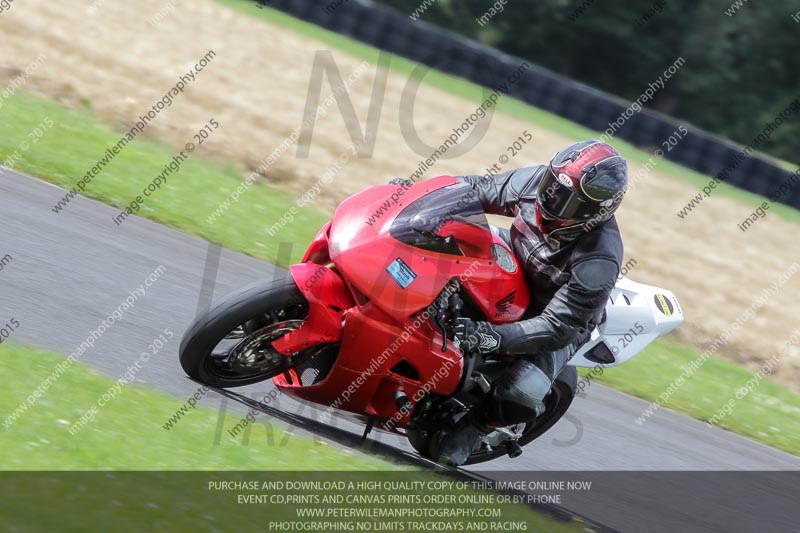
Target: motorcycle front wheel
(231, 344)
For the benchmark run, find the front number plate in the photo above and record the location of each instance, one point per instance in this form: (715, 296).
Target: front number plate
(401, 273)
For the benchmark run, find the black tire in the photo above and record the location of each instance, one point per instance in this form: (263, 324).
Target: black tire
(556, 404)
(246, 307)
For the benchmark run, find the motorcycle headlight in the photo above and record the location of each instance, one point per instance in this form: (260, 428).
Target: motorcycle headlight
(504, 258)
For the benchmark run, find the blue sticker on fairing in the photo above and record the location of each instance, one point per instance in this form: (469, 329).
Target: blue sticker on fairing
(401, 273)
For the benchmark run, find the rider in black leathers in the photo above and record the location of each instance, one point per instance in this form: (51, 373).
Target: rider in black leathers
(567, 239)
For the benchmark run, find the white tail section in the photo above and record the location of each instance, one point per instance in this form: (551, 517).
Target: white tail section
(636, 315)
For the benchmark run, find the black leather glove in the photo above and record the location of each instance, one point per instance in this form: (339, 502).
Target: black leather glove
(471, 336)
(401, 181)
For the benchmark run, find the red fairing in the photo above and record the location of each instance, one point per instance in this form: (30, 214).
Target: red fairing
(318, 249)
(362, 380)
(328, 299)
(370, 276)
(362, 251)
(502, 296)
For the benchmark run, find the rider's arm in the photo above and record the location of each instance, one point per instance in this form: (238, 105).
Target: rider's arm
(499, 193)
(568, 314)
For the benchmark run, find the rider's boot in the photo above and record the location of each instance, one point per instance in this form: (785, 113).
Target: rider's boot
(516, 398)
(456, 446)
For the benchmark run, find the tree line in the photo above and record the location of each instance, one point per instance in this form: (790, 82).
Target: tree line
(742, 57)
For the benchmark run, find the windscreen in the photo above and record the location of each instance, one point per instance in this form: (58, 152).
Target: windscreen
(449, 220)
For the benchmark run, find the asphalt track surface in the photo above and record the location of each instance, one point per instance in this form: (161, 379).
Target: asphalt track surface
(72, 269)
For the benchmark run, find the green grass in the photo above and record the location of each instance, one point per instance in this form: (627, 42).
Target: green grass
(67, 150)
(182, 502)
(127, 435)
(507, 105)
(769, 414)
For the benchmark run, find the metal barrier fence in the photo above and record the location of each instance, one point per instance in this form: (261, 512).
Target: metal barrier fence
(387, 29)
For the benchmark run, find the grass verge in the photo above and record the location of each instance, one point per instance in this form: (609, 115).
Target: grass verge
(188, 501)
(768, 413)
(68, 149)
(127, 435)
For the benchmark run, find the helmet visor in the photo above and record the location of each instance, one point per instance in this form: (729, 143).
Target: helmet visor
(559, 201)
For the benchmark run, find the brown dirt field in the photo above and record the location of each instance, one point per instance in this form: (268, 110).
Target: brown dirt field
(256, 88)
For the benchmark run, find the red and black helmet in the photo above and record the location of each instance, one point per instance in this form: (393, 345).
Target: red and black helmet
(582, 187)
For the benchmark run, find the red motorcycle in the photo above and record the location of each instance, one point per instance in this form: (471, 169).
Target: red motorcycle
(363, 325)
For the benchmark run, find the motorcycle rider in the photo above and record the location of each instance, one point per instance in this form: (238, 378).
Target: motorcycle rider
(567, 239)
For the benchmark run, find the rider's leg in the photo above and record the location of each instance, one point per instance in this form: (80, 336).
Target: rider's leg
(517, 397)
